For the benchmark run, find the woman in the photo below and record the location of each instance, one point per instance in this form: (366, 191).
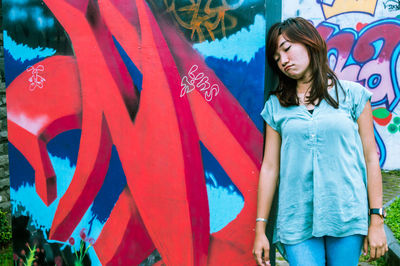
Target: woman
(320, 143)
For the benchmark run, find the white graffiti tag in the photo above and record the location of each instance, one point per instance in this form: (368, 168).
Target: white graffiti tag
(36, 80)
(199, 81)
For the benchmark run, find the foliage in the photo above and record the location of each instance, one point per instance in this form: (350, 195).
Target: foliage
(390, 173)
(31, 257)
(26, 258)
(5, 229)
(6, 256)
(378, 262)
(393, 218)
(82, 250)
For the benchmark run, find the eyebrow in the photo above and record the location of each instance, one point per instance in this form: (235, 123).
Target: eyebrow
(282, 43)
(280, 46)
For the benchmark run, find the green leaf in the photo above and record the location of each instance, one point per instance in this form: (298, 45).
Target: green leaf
(31, 257)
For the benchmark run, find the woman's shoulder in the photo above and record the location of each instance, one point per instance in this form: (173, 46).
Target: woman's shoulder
(272, 97)
(271, 105)
(350, 86)
(272, 100)
(269, 112)
(358, 96)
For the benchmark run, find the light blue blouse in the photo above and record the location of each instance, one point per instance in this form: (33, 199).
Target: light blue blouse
(323, 179)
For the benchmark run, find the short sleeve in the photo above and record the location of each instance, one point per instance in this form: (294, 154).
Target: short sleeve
(360, 96)
(268, 114)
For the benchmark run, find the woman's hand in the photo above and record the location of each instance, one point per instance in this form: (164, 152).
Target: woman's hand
(376, 238)
(261, 249)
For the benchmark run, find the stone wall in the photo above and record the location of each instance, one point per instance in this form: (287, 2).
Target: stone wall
(4, 172)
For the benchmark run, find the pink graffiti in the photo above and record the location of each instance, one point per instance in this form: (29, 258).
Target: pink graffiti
(199, 81)
(36, 80)
(368, 57)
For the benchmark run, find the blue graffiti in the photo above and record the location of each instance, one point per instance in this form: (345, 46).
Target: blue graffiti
(224, 199)
(232, 48)
(374, 81)
(133, 71)
(18, 57)
(22, 52)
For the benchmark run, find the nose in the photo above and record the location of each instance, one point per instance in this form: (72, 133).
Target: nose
(284, 59)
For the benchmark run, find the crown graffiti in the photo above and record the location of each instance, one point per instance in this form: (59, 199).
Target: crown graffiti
(336, 7)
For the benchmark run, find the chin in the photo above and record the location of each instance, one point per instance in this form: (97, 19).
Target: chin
(296, 77)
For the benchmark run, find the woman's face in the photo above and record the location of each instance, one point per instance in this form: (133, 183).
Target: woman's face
(292, 59)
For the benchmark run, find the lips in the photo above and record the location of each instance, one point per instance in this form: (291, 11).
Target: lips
(288, 67)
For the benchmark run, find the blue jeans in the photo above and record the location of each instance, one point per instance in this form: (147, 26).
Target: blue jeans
(327, 250)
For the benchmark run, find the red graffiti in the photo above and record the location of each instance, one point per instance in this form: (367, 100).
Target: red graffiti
(360, 25)
(164, 205)
(382, 116)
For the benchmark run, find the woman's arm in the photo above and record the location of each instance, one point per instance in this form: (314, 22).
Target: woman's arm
(266, 188)
(376, 233)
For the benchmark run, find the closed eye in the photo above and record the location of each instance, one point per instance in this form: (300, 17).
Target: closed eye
(287, 49)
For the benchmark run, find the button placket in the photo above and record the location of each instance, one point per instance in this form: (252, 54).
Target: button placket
(313, 136)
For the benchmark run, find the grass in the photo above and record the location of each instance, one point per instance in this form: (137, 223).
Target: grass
(393, 211)
(378, 262)
(6, 256)
(6, 251)
(391, 172)
(393, 218)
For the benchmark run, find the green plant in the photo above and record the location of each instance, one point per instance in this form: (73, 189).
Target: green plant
(393, 218)
(26, 258)
(81, 254)
(82, 250)
(5, 230)
(391, 172)
(31, 257)
(378, 262)
(6, 256)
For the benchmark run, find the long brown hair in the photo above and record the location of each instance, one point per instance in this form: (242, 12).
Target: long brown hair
(299, 30)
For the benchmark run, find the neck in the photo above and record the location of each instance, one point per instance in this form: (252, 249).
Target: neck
(303, 87)
(304, 83)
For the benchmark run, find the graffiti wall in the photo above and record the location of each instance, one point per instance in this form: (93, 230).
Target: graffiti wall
(134, 129)
(363, 38)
